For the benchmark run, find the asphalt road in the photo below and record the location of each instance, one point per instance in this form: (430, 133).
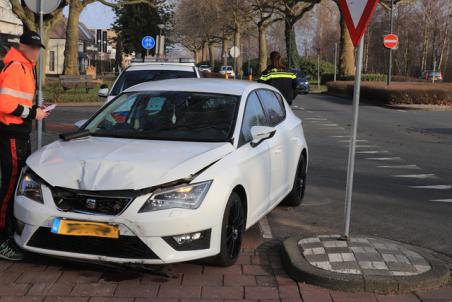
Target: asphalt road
(414, 144)
(402, 188)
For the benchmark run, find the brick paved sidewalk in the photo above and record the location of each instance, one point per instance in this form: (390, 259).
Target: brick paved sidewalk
(258, 276)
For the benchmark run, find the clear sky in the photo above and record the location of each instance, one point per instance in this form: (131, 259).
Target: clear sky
(97, 15)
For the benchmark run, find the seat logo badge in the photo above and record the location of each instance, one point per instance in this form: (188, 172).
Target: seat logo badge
(91, 203)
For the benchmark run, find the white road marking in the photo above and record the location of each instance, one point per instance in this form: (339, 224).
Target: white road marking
(420, 176)
(372, 152)
(265, 228)
(358, 141)
(384, 158)
(400, 110)
(442, 200)
(435, 187)
(413, 167)
(340, 136)
(329, 125)
(366, 146)
(316, 119)
(333, 128)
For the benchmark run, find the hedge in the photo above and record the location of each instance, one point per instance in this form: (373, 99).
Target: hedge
(397, 93)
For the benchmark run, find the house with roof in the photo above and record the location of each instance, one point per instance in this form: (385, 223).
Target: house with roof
(10, 26)
(56, 46)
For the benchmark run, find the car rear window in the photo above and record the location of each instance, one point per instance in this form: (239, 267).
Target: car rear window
(131, 78)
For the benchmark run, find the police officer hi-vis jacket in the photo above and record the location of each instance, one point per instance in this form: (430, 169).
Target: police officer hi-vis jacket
(279, 77)
(17, 91)
(283, 80)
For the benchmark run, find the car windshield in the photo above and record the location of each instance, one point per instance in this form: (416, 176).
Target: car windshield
(181, 116)
(132, 78)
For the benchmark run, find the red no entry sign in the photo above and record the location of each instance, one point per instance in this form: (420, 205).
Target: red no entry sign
(391, 41)
(357, 15)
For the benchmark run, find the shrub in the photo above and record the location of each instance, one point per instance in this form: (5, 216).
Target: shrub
(397, 93)
(309, 67)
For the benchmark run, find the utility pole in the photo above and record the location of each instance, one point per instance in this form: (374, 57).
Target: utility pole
(335, 61)
(390, 50)
(318, 69)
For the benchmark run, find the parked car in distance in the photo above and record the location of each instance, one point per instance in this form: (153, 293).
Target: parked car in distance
(139, 72)
(302, 82)
(431, 75)
(229, 70)
(168, 171)
(205, 68)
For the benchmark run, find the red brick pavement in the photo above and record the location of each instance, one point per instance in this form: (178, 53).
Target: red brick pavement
(258, 276)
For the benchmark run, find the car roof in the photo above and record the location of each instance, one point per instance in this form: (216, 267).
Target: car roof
(221, 86)
(162, 66)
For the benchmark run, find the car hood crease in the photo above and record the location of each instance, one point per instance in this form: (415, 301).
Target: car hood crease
(109, 164)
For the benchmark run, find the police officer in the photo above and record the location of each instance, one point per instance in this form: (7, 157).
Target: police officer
(17, 91)
(279, 77)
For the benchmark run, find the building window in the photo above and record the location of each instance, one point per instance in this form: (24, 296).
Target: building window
(51, 60)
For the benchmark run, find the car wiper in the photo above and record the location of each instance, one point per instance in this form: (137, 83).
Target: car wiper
(75, 135)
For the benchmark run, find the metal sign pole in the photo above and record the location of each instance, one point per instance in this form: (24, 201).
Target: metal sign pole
(351, 154)
(41, 74)
(390, 50)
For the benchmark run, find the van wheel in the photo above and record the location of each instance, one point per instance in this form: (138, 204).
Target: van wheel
(295, 197)
(233, 228)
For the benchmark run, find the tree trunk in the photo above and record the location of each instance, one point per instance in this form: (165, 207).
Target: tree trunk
(347, 52)
(72, 37)
(291, 43)
(211, 56)
(197, 55)
(204, 52)
(263, 55)
(237, 43)
(224, 52)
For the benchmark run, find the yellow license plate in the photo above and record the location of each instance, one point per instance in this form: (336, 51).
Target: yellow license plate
(84, 228)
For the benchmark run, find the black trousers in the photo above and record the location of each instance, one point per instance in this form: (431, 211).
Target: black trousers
(13, 153)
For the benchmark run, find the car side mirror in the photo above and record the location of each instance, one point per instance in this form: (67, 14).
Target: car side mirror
(80, 123)
(261, 133)
(103, 91)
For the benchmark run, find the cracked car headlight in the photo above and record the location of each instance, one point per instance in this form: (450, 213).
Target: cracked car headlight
(185, 197)
(30, 187)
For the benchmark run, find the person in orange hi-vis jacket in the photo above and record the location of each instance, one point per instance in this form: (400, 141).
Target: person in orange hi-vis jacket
(17, 91)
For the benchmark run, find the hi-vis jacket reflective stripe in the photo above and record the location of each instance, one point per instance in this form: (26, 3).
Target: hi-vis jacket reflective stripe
(17, 89)
(275, 74)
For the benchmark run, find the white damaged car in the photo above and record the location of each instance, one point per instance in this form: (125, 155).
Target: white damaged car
(168, 171)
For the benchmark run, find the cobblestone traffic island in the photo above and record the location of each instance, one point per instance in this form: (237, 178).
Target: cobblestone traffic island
(361, 263)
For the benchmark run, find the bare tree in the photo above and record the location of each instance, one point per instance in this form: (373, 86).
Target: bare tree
(72, 30)
(30, 20)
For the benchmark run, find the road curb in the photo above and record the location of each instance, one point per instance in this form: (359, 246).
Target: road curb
(301, 270)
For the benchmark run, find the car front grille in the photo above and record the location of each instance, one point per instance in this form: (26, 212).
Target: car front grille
(128, 247)
(90, 202)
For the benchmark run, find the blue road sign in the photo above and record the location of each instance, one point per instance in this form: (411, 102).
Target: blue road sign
(148, 42)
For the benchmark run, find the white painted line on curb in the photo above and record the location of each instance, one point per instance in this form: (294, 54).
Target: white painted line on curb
(265, 228)
(419, 176)
(384, 158)
(442, 200)
(434, 187)
(412, 167)
(372, 152)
